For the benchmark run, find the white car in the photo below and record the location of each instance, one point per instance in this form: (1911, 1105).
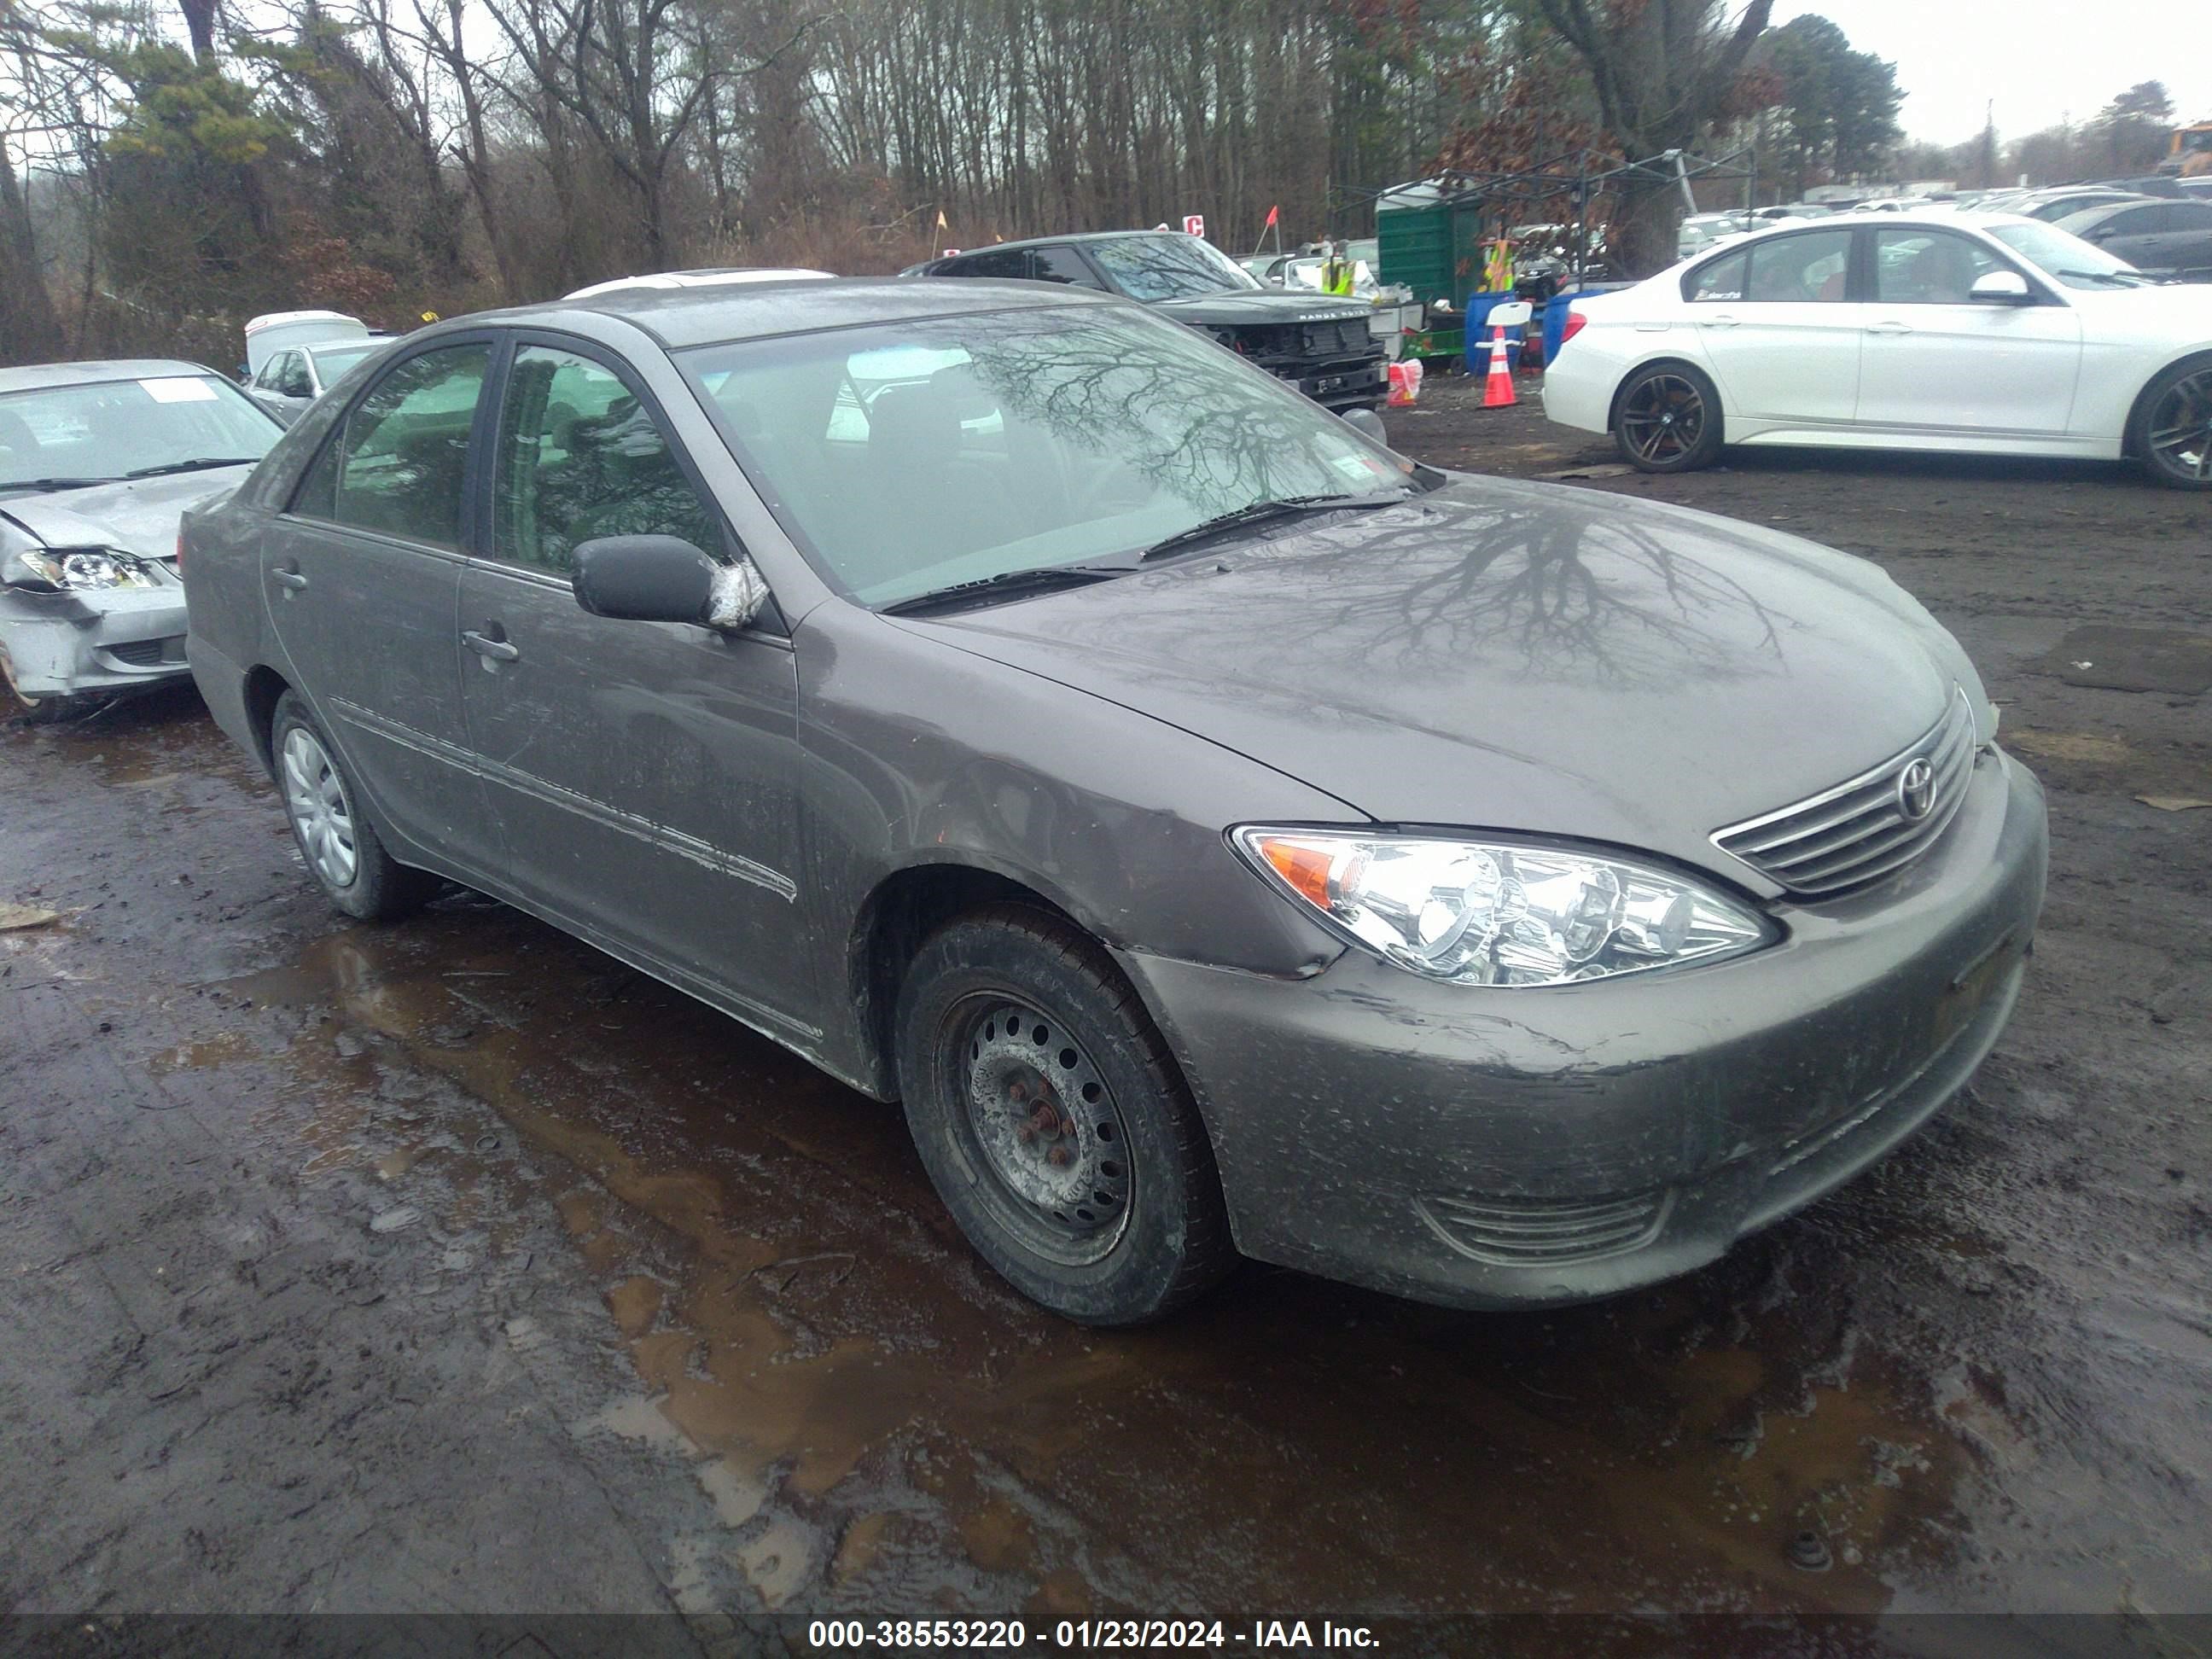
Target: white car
(1982, 333)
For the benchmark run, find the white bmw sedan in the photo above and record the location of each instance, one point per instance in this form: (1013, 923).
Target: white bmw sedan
(1983, 333)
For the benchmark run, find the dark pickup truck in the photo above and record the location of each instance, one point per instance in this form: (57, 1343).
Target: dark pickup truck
(1320, 344)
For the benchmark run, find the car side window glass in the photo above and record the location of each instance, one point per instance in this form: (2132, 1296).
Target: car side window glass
(2137, 221)
(579, 457)
(1010, 263)
(1799, 270)
(1063, 265)
(272, 372)
(398, 464)
(1929, 267)
(1723, 280)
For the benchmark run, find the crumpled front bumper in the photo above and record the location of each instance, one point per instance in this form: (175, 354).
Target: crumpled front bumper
(1525, 1147)
(111, 640)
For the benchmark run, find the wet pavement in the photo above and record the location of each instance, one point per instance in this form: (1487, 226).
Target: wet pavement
(453, 1265)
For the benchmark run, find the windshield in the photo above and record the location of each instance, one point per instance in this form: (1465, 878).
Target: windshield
(909, 457)
(331, 361)
(101, 430)
(1167, 266)
(2064, 256)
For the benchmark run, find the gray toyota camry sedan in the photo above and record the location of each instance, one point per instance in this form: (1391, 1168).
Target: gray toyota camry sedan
(1224, 836)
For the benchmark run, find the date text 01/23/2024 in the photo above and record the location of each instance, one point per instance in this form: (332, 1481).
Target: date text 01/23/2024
(1086, 1633)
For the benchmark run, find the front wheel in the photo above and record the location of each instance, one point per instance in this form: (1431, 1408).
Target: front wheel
(1668, 420)
(2172, 432)
(1053, 1123)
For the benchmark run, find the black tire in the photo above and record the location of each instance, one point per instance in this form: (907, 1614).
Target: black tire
(2170, 434)
(1668, 419)
(367, 882)
(36, 711)
(1131, 1225)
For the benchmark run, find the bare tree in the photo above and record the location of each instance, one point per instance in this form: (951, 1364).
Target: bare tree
(1663, 71)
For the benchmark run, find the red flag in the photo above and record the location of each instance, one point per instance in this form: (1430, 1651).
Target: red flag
(1271, 216)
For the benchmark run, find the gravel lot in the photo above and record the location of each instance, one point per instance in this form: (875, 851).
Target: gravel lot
(452, 1266)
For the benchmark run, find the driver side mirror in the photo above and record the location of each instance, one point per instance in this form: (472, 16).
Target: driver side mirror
(665, 579)
(2001, 288)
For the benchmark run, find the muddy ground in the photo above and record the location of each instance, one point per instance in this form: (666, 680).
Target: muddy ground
(452, 1266)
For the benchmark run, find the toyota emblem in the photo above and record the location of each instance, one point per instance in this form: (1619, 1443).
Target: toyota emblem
(1916, 790)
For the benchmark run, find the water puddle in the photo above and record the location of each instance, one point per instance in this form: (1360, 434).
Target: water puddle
(859, 1399)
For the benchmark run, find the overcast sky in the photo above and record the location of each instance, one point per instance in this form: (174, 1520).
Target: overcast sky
(2040, 59)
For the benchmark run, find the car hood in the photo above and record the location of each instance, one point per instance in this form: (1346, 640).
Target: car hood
(139, 516)
(1248, 305)
(1513, 656)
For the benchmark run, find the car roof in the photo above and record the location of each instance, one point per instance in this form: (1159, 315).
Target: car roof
(1054, 241)
(286, 318)
(33, 377)
(678, 318)
(713, 276)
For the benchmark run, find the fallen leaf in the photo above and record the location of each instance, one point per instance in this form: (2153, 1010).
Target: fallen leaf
(14, 917)
(2173, 803)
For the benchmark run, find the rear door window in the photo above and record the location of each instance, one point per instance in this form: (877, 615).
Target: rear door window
(1010, 262)
(399, 465)
(579, 456)
(1064, 264)
(1723, 280)
(1799, 270)
(2136, 222)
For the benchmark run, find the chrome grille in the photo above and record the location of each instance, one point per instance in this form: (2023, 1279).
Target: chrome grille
(1848, 835)
(1529, 1232)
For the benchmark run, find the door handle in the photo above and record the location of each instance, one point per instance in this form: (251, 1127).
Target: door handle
(288, 576)
(1889, 328)
(487, 647)
(1723, 321)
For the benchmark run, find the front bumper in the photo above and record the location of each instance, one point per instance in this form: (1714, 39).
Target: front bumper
(116, 639)
(1358, 384)
(1525, 1147)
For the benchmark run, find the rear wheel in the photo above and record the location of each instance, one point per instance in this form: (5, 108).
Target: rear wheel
(2171, 433)
(1668, 420)
(340, 845)
(1053, 1123)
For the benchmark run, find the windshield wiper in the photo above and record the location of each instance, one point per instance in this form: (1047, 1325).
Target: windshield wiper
(55, 483)
(199, 463)
(2118, 279)
(1006, 585)
(1258, 512)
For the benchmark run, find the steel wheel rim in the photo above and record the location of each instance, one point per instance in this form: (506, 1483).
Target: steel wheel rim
(1036, 1116)
(322, 817)
(1664, 418)
(2181, 428)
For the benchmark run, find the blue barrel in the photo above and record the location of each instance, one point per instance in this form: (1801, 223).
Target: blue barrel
(1478, 333)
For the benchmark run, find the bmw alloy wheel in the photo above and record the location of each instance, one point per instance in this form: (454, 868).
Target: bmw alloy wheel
(1664, 418)
(2180, 433)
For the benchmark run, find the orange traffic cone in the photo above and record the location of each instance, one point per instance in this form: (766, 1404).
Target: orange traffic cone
(1498, 390)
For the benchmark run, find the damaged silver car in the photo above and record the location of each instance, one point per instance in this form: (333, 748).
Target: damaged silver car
(97, 463)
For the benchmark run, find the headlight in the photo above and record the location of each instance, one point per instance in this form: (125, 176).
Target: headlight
(79, 571)
(1494, 913)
